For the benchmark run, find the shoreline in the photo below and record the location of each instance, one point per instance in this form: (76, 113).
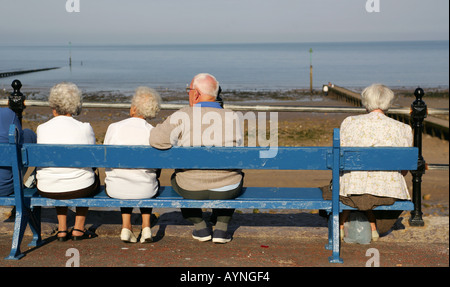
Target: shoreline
(178, 96)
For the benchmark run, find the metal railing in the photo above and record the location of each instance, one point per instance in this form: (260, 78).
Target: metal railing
(402, 111)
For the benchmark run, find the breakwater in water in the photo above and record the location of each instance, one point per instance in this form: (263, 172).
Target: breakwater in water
(14, 73)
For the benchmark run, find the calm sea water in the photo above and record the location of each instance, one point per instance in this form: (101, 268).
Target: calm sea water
(284, 66)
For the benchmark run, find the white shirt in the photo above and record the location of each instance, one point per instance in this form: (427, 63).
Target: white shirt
(64, 130)
(374, 130)
(130, 183)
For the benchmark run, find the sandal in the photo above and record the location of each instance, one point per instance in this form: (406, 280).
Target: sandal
(63, 238)
(86, 234)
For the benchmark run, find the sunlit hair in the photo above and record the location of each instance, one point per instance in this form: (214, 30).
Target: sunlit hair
(147, 102)
(65, 98)
(377, 96)
(206, 84)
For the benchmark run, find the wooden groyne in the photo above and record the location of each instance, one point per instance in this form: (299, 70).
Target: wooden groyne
(14, 73)
(432, 125)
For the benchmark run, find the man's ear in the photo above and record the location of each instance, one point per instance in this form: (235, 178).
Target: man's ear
(196, 97)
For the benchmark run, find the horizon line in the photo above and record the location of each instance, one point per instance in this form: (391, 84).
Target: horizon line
(213, 43)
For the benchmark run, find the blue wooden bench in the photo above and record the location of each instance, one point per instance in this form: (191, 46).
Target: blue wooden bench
(334, 158)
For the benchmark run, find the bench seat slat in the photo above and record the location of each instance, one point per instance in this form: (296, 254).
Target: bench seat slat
(398, 205)
(253, 197)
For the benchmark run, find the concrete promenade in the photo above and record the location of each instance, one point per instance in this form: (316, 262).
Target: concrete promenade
(262, 239)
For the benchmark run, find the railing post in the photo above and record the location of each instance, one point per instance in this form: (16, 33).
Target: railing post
(16, 100)
(418, 114)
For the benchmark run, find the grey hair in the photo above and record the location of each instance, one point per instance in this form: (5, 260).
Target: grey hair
(377, 96)
(65, 98)
(147, 102)
(205, 86)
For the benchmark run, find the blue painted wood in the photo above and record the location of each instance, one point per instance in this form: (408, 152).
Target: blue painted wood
(313, 158)
(22, 214)
(287, 158)
(399, 205)
(334, 241)
(378, 158)
(7, 200)
(252, 197)
(335, 158)
(263, 197)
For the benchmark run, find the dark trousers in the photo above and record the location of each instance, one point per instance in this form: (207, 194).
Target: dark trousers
(195, 215)
(81, 193)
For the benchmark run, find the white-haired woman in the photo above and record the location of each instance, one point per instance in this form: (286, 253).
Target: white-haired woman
(134, 183)
(367, 189)
(60, 182)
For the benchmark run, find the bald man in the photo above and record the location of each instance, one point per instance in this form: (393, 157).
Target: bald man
(187, 127)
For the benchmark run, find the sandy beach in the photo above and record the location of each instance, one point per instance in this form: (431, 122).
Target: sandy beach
(294, 129)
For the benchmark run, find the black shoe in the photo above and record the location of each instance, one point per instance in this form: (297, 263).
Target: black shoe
(87, 234)
(220, 236)
(63, 238)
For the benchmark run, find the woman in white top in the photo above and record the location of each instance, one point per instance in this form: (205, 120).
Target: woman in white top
(134, 183)
(368, 189)
(60, 182)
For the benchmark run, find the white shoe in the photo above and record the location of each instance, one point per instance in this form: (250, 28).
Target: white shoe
(146, 235)
(375, 235)
(127, 236)
(31, 181)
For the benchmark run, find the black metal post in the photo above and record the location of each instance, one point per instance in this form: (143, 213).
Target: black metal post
(418, 114)
(16, 100)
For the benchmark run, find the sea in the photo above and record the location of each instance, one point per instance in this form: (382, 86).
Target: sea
(110, 72)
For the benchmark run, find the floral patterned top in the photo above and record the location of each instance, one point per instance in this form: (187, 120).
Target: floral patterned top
(374, 130)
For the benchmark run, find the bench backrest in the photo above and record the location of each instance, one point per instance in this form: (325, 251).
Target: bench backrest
(287, 158)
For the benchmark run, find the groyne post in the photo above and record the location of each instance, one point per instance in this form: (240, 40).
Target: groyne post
(16, 100)
(418, 114)
(310, 71)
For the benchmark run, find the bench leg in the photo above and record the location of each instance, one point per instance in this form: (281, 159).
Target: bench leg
(329, 246)
(20, 225)
(35, 226)
(334, 240)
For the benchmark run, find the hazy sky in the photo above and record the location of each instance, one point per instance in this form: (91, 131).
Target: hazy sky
(221, 21)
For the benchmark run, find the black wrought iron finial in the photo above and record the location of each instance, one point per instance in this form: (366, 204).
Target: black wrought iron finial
(16, 100)
(16, 85)
(419, 93)
(418, 107)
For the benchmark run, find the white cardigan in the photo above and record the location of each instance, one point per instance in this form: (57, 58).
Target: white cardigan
(130, 183)
(64, 130)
